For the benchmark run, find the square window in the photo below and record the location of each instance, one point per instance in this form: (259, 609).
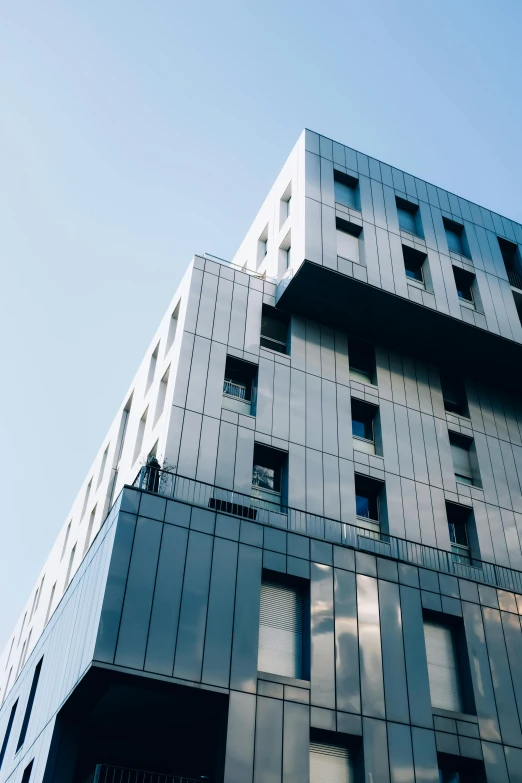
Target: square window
(464, 281)
(348, 239)
(456, 237)
(454, 395)
(274, 329)
(409, 217)
(367, 498)
(267, 469)
(363, 416)
(346, 189)
(361, 357)
(459, 520)
(413, 264)
(461, 453)
(239, 385)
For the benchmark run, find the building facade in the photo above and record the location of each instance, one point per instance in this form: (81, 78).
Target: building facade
(297, 555)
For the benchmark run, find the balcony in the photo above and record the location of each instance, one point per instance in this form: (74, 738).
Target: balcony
(264, 512)
(515, 278)
(106, 773)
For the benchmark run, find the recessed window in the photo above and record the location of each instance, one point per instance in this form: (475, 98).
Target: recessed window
(173, 325)
(332, 761)
(511, 255)
(26, 777)
(368, 499)
(239, 385)
(262, 246)
(274, 329)
(30, 702)
(461, 453)
(285, 205)
(152, 368)
(363, 416)
(456, 237)
(464, 281)
(409, 217)
(268, 470)
(454, 395)
(142, 424)
(285, 254)
(459, 769)
(346, 190)
(443, 668)
(413, 264)
(348, 239)
(281, 628)
(458, 527)
(361, 356)
(8, 731)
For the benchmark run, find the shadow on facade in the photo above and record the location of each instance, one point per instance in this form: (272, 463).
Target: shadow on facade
(138, 723)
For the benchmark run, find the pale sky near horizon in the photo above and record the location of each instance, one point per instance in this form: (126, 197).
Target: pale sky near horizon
(133, 135)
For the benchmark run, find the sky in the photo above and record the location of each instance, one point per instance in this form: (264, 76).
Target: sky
(135, 134)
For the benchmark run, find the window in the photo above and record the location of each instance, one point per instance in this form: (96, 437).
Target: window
(368, 494)
(464, 281)
(50, 604)
(458, 524)
(346, 190)
(361, 356)
(285, 205)
(8, 731)
(363, 416)
(454, 395)
(69, 568)
(409, 217)
(89, 530)
(267, 472)
(458, 769)
(140, 435)
(285, 254)
(281, 629)
(329, 762)
(460, 451)
(443, 671)
(102, 466)
(413, 264)
(173, 325)
(456, 237)
(162, 394)
(348, 239)
(262, 246)
(30, 702)
(274, 329)
(87, 495)
(511, 255)
(27, 772)
(152, 368)
(239, 386)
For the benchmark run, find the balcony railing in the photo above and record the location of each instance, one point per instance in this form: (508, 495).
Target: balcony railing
(266, 512)
(105, 773)
(238, 268)
(515, 278)
(235, 390)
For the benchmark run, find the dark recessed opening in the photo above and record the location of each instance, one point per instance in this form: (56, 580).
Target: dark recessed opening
(413, 264)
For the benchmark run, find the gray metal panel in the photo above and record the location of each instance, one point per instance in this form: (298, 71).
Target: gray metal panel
(244, 460)
(236, 333)
(480, 672)
(167, 597)
(298, 407)
(189, 446)
(346, 642)
(207, 305)
(253, 320)
(206, 469)
(198, 374)
(214, 385)
(269, 741)
(495, 763)
(218, 638)
(322, 636)
(425, 755)
(400, 752)
(415, 658)
(329, 417)
(313, 238)
(314, 436)
(370, 655)
(183, 370)
(239, 756)
(226, 457)
(395, 687)
(135, 616)
(222, 311)
(296, 740)
(281, 406)
(375, 744)
(243, 673)
(193, 612)
(265, 396)
(314, 482)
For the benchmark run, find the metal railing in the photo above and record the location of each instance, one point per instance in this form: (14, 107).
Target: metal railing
(235, 390)
(514, 277)
(106, 773)
(238, 268)
(265, 512)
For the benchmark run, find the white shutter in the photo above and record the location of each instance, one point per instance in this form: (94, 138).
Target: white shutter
(330, 764)
(442, 667)
(461, 461)
(280, 630)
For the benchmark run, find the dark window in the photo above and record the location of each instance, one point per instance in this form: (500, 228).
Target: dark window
(348, 228)
(456, 237)
(239, 379)
(458, 524)
(409, 218)
(8, 732)
(413, 263)
(454, 395)
(274, 329)
(464, 281)
(511, 256)
(267, 470)
(346, 190)
(458, 769)
(362, 420)
(361, 356)
(27, 773)
(460, 451)
(30, 702)
(367, 497)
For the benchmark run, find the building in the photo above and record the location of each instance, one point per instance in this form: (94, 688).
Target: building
(319, 575)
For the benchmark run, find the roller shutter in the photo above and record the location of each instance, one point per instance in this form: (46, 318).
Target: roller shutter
(330, 764)
(280, 630)
(442, 666)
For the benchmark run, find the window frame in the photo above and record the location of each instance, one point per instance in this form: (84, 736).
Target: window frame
(459, 272)
(268, 314)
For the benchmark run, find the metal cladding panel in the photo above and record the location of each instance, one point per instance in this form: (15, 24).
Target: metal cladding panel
(280, 630)
(332, 763)
(442, 667)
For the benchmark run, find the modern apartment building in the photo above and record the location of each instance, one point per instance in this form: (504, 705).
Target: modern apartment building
(297, 555)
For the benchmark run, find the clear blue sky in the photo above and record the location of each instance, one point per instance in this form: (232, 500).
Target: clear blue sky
(134, 134)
